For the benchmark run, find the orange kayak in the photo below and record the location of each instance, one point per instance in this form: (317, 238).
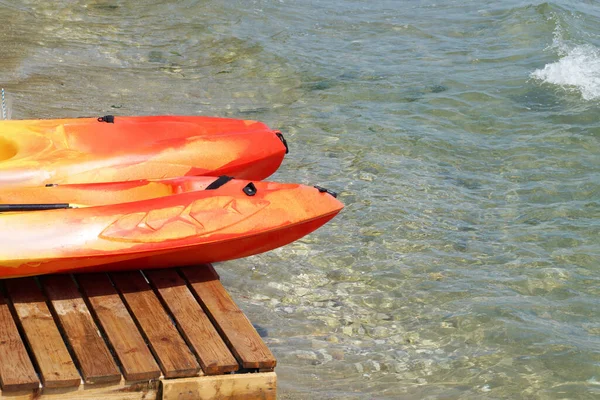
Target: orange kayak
(152, 223)
(109, 149)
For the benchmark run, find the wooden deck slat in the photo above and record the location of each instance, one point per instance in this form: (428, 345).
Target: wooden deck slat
(171, 351)
(196, 327)
(136, 360)
(51, 355)
(93, 357)
(16, 369)
(234, 326)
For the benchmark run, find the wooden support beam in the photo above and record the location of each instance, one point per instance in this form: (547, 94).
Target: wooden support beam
(258, 386)
(118, 391)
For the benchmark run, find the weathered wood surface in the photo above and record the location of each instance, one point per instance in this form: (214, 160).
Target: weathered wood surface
(120, 391)
(169, 348)
(230, 321)
(41, 333)
(136, 360)
(159, 331)
(16, 369)
(92, 355)
(259, 386)
(213, 354)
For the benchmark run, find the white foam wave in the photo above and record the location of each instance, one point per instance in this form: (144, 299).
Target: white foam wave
(577, 69)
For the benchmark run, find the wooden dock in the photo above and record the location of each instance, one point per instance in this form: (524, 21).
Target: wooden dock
(156, 334)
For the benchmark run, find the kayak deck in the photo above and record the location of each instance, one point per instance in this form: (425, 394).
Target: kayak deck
(155, 334)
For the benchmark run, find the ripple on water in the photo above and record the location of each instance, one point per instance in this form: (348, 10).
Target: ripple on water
(462, 138)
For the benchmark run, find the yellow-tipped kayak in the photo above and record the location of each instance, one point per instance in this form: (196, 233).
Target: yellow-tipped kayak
(152, 223)
(108, 149)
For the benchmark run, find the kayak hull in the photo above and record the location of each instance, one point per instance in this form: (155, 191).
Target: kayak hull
(162, 223)
(35, 152)
(217, 252)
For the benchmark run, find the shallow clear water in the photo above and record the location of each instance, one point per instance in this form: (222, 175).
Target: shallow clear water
(463, 137)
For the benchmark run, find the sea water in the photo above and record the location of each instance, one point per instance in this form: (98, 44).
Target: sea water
(462, 136)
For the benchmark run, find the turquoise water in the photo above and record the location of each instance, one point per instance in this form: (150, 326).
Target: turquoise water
(463, 137)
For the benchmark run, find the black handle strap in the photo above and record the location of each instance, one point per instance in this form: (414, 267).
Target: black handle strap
(280, 136)
(325, 190)
(219, 182)
(107, 118)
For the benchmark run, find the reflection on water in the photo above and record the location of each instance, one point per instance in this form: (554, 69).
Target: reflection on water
(465, 264)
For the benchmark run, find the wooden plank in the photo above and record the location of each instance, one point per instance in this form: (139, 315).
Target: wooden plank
(171, 351)
(261, 386)
(135, 358)
(234, 326)
(16, 369)
(93, 357)
(213, 354)
(50, 352)
(120, 391)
